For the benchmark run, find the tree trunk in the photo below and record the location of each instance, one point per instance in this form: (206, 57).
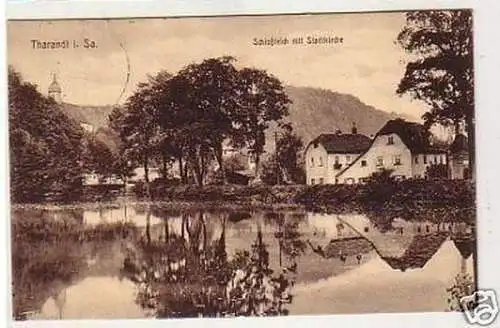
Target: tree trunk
(181, 170)
(166, 231)
(197, 166)
(204, 231)
(471, 136)
(195, 170)
(146, 176)
(165, 169)
(220, 161)
(257, 167)
(148, 225)
(183, 223)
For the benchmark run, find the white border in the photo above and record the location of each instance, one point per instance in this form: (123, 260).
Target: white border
(487, 55)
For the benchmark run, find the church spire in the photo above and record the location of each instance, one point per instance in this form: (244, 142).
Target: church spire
(55, 90)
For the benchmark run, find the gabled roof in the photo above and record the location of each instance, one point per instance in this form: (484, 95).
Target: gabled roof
(460, 144)
(420, 251)
(414, 135)
(465, 246)
(352, 143)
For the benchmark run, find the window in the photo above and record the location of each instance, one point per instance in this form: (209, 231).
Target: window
(416, 159)
(390, 140)
(312, 161)
(321, 180)
(315, 145)
(313, 181)
(363, 163)
(347, 159)
(440, 159)
(321, 161)
(435, 159)
(337, 159)
(397, 160)
(425, 159)
(380, 161)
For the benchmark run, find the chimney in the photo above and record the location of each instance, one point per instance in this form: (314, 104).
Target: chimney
(354, 130)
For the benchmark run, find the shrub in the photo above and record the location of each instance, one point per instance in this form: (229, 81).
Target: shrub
(437, 171)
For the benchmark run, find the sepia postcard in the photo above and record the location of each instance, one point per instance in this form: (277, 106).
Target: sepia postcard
(227, 166)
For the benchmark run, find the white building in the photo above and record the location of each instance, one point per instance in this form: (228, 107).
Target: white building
(329, 154)
(401, 146)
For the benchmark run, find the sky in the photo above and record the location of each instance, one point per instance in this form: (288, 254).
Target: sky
(367, 64)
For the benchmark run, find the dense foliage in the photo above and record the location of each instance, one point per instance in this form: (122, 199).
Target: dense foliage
(383, 198)
(441, 73)
(285, 165)
(49, 152)
(187, 275)
(188, 117)
(45, 145)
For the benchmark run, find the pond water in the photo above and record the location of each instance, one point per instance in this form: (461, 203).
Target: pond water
(340, 263)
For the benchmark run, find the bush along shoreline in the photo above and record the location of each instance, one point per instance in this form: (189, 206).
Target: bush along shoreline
(434, 200)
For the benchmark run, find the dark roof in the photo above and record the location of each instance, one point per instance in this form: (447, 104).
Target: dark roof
(348, 246)
(420, 251)
(465, 246)
(343, 143)
(414, 135)
(460, 144)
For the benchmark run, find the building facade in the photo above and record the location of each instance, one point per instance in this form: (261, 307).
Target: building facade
(401, 146)
(329, 154)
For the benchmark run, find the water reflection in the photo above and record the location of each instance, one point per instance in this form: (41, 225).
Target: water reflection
(224, 263)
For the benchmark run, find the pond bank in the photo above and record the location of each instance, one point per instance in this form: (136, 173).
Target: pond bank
(437, 200)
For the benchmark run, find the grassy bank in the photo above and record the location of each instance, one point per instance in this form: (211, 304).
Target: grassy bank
(407, 198)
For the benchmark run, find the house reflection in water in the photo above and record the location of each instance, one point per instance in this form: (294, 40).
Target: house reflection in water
(341, 259)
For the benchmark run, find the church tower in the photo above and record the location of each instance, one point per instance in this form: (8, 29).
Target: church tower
(55, 90)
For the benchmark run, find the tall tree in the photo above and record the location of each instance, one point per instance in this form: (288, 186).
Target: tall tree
(288, 148)
(137, 124)
(441, 70)
(263, 100)
(45, 145)
(212, 100)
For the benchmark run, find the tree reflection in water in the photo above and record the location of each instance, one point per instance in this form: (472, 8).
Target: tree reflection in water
(187, 276)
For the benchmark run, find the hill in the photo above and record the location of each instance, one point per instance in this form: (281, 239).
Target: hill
(97, 116)
(312, 112)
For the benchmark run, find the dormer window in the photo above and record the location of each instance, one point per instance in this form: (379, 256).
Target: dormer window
(390, 140)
